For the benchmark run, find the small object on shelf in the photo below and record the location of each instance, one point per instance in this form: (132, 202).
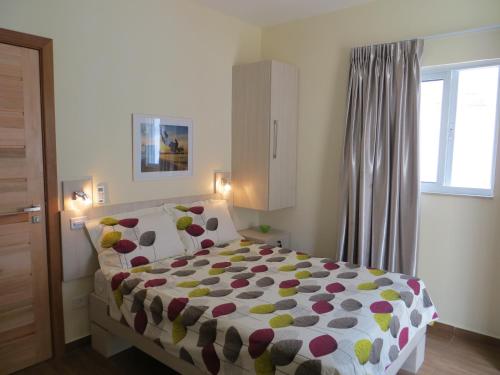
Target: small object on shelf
(264, 228)
(274, 237)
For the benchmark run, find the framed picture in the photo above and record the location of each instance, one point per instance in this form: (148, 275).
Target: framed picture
(163, 147)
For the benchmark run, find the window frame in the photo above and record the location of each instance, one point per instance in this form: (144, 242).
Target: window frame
(449, 75)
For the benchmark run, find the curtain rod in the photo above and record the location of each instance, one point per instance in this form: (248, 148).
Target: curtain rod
(446, 35)
(461, 32)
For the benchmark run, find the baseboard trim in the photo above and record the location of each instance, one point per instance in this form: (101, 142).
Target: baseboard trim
(78, 343)
(449, 332)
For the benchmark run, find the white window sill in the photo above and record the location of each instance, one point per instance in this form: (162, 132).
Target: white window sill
(470, 193)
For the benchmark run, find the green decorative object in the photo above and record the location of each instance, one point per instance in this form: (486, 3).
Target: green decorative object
(264, 228)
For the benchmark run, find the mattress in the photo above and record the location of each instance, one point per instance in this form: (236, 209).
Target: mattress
(261, 309)
(101, 285)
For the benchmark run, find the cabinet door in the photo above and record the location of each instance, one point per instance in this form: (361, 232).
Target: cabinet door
(250, 134)
(283, 136)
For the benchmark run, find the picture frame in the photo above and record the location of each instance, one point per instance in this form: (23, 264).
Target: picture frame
(162, 147)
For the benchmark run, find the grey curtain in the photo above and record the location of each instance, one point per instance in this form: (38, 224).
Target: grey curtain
(380, 171)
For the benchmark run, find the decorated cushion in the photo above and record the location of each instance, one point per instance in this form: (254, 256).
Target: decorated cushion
(94, 227)
(203, 224)
(135, 239)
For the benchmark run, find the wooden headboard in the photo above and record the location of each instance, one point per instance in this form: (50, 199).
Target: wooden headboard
(79, 257)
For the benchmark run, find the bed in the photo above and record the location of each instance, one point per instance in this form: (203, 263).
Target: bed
(243, 307)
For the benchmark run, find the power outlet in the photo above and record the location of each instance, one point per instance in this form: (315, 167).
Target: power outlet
(80, 302)
(77, 222)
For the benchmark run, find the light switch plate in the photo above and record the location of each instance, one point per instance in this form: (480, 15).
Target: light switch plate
(77, 222)
(101, 194)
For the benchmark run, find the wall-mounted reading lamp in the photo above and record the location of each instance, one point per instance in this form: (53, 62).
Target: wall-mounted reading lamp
(222, 183)
(225, 185)
(80, 200)
(80, 194)
(77, 194)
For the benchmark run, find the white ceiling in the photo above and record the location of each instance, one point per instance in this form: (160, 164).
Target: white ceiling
(273, 12)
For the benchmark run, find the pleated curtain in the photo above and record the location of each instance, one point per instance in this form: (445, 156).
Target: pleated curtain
(380, 171)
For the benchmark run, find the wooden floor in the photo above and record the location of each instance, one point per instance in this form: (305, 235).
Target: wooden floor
(459, 355)
(445, 355)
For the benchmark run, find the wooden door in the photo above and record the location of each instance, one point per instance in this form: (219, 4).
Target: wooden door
(283, 136)
(25, 332)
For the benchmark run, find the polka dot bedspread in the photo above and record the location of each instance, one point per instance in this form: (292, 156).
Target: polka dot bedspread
(252, 308)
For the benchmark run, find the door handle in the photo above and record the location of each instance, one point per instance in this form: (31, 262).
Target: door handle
(275, 143)
(33, 208)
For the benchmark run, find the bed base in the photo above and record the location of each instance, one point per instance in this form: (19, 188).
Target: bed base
(110, 337)
(412, 357)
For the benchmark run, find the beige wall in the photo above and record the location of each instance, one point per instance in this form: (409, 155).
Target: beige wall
(460, 235)
(459, 242)
(116, 57)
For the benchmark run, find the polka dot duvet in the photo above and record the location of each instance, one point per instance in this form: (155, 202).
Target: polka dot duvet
(253, 308)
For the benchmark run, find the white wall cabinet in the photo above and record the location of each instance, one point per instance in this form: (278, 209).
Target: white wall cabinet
(264, 135)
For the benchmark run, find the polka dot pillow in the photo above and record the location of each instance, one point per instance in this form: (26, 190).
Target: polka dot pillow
(203, 224)
(135, 239)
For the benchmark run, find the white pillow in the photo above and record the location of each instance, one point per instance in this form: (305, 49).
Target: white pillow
(203, 224)
(95, 228)
(135, 238)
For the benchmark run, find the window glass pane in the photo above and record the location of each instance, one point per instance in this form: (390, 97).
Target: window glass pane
(431, 101)
(475, 127)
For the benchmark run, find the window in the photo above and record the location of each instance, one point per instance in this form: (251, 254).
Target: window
(459, 116)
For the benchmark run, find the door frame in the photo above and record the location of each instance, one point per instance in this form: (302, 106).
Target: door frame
(53, 229)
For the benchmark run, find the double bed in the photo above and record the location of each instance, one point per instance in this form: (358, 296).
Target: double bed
(243, 307)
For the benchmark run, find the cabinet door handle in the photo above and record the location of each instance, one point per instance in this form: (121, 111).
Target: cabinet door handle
(275, 143)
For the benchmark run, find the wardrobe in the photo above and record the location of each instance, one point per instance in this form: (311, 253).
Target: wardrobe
(264, 135)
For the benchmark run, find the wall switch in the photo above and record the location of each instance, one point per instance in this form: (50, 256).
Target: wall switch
(101, 194)
(77, 222)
